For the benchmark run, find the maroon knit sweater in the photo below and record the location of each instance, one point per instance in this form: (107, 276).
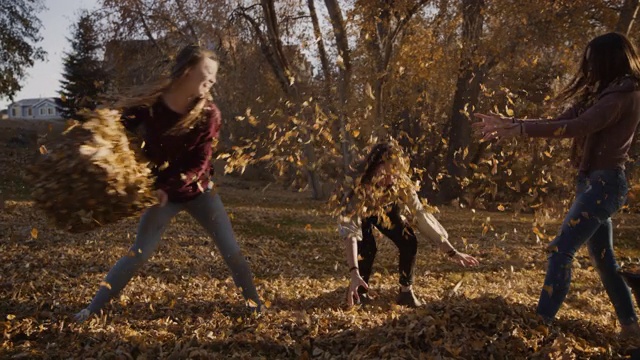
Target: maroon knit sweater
(181, 163)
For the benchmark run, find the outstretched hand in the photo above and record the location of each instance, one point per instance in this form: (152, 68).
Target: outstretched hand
(494, 127)
(465, 260)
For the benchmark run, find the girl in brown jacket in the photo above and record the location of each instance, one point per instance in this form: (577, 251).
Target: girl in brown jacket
(602, 122)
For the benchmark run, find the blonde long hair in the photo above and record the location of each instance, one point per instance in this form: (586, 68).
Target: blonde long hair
(148, 94)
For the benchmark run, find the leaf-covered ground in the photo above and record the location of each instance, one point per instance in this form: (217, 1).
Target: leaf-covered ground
(183, 303)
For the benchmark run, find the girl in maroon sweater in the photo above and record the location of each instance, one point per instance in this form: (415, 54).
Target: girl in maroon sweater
(178, 122)
(602, 122)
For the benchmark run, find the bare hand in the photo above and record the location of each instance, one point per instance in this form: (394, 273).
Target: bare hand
(163, 198)
(465, 260)
(352, 293)
(495, 126)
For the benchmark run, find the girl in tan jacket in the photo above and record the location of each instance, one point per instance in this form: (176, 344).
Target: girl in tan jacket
(382, 192)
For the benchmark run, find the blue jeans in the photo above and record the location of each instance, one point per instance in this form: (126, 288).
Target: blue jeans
(598, 195)
(209, 211)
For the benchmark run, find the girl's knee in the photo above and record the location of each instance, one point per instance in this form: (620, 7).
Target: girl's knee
(150, 229)
(411, 245)
(236, 258)
(139, 255)
(605, 265)
(371, 249)
(556, 251)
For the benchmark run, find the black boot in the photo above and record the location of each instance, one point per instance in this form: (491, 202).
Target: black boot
(408, 298)
(365, 299)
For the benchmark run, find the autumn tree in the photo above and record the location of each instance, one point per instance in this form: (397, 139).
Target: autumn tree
(470, 76)
(537, 64)
(338, 102)
(382, 25)
(415, 70)
(19, 36)
(145, 34)
(628, 13)
(269, 37)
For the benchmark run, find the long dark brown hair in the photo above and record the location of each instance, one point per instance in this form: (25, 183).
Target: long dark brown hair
(606, 58)
(354, 191)
(148, 94)
(376, 157)
(361, 173)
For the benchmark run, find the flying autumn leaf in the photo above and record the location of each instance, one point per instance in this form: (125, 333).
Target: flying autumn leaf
(369, 91)
(538, 232)
(560, 131)
(340, 62)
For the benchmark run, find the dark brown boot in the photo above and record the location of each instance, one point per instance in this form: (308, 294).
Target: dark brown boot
(365, 299)
(409, 299)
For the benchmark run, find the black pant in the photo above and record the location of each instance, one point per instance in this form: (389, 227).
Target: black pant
(400, 233)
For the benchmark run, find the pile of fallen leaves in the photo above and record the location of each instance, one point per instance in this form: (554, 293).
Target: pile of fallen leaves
(183, 303)
(91, 177)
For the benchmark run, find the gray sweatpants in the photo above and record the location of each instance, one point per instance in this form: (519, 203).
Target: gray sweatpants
(208, 210)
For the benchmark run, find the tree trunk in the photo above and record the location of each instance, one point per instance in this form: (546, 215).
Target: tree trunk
(183, 13)
(344, 81)
(147, 30)
(465, 100)
(324, 61)
(337, 127)
(627, 17)
(381, 45)
(283, 70)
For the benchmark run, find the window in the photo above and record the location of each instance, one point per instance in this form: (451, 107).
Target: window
(41, 111)
(50, 111)
(14, 112)
(29, 112)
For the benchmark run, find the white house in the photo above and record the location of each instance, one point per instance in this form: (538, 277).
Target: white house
(40, 109)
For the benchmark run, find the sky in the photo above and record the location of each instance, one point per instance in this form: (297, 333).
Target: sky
(43, 79)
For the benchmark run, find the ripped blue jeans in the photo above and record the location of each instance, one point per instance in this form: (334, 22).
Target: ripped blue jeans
(598, 196)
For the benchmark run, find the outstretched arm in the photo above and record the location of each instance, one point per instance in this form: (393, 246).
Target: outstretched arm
(431, 228)
(351, 233)
(603, 113)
